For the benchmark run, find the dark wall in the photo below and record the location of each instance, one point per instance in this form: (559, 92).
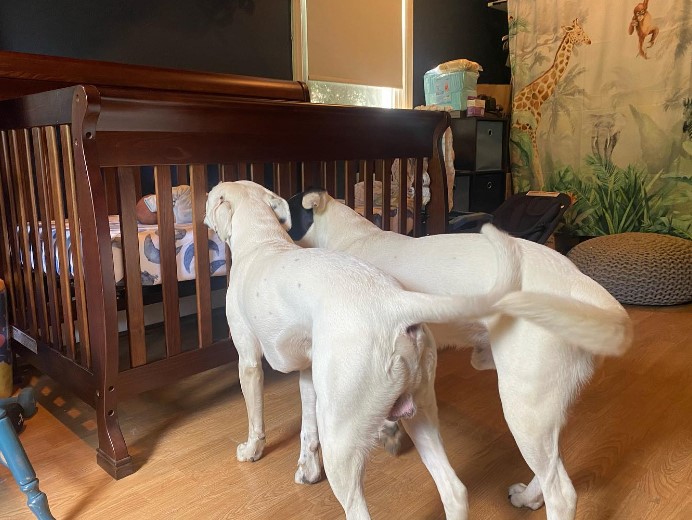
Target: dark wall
(250, 37)
(446, 30)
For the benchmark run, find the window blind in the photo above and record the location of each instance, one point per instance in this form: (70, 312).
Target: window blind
(355, 41)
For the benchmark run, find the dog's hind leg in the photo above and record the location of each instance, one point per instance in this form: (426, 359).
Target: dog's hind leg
(252, 385)
(309, 467)
(344, 463)
(423, 428)
(348, 421)
(551, 484)
(536, 387)
(426, 437)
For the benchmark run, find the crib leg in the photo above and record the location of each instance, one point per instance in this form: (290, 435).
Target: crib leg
(21, 469)
(112, 454)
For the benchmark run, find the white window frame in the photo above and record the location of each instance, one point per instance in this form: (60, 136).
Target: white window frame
(401, 98)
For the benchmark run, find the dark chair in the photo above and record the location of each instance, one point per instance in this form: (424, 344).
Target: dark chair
(532, 215)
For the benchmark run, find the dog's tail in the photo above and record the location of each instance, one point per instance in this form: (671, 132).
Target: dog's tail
(601, 331)
(445, 308)
(605, 331)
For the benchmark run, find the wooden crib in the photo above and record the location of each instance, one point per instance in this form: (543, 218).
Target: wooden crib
(71, 165)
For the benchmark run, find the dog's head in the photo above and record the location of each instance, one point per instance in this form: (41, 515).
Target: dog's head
(304, 206)
(225, 198)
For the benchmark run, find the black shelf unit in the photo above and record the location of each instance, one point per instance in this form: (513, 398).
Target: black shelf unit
(481, 162)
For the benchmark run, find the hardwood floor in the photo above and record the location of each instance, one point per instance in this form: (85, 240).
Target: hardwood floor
(627, 446)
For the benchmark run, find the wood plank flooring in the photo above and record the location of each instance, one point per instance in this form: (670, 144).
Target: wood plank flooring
(627, 446)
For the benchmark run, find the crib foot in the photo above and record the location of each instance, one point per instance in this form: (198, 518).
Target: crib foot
(115, 468)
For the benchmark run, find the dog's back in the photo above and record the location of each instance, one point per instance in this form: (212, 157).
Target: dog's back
(469, 264)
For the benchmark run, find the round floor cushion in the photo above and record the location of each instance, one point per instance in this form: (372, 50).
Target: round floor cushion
(639, 268)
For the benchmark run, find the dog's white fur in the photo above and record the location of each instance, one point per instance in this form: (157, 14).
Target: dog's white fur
(542, 345)
(351, 331)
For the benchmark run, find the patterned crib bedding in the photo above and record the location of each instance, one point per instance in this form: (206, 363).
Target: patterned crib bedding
(149, 252)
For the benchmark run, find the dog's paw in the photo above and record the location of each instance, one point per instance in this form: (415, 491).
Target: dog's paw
(519, 498)
(309, 471)
(250, 451)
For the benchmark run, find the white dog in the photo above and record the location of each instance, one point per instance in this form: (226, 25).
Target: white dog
(542, 346)
(353, 333)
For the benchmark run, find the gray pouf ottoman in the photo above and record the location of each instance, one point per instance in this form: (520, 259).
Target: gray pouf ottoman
(639, 268)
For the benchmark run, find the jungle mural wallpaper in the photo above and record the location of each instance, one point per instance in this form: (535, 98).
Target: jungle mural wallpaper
(602, 110)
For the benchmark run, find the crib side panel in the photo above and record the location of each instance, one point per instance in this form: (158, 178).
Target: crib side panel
(372, 160)
(41, 250)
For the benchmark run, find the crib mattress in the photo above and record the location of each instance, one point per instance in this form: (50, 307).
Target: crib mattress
(149, 252)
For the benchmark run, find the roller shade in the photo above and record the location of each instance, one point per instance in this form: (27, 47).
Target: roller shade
(355, 41)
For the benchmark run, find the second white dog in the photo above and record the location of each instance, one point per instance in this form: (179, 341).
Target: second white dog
(542, 345)
(353, 333)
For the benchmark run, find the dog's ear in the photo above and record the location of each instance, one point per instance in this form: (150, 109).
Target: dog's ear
(224, 221)
(280, 207)
(315, 200)
(219, 211)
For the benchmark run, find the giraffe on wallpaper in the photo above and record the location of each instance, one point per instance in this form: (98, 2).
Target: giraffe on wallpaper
(532, 96)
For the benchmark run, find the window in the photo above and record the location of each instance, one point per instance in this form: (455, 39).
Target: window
(357, 52)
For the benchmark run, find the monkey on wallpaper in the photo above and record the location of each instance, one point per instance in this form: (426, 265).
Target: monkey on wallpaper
(642, 22)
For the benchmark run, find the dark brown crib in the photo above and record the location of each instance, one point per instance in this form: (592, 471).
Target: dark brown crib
(81, 308)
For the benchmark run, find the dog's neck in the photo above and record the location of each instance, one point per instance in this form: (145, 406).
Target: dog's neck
(262, 228)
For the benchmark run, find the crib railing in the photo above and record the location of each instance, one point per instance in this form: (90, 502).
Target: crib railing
(72, 158)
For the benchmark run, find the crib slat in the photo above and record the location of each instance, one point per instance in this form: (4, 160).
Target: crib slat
(367, 178)
(242, 171)
(350, 180)
(75, 233)
(40, 250)
(276, 179)
(43, 181)
(311, 176)
(228, 172)
(38, 274)
(20, 306)
(133, 272)
(285, 182)
(169, 267)
(24, 209)
(5, 260)
(182, 175)
(257, 173)
(110, 183)
(403, 196)
(418, 199)
(137, 175)
(198, 182)
(385, 173)
(330, 178)
(40, 313)
(61, 238)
